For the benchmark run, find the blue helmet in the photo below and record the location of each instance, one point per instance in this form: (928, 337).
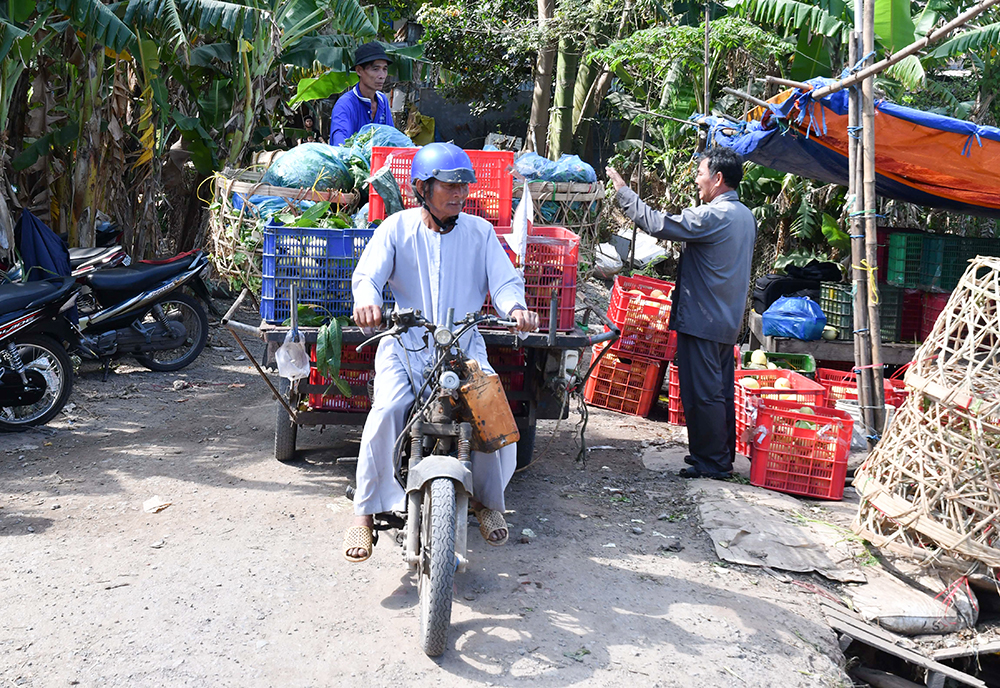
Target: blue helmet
(445, 162)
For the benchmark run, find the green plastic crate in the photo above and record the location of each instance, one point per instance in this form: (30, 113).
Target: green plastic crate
(905, 259)
(837, 304)
(941, 263)
(804, 364)
(890, 312)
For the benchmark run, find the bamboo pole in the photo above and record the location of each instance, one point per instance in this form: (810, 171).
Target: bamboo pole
(745, 96)
(932, 37)
(708, 92)
(855, 192)
(876, 394)
(787, 82)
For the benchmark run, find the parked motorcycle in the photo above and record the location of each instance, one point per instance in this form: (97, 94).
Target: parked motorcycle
(141, 311)
(451, 417)
(36, 374)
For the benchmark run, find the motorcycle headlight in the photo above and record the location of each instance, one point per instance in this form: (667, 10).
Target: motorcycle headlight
(443, 337)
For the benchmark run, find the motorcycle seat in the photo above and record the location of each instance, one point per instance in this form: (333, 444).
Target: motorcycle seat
(17, 296)
(135, 279)
(79, 256)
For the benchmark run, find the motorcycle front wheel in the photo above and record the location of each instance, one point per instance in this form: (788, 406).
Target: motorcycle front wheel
(180, 309)
(43, 358)
(437, 564)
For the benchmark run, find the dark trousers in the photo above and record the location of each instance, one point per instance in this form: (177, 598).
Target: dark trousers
(705, 372)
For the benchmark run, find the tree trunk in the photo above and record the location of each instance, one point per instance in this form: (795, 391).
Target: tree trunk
(561, 121)
(538, 124)
(87, 168)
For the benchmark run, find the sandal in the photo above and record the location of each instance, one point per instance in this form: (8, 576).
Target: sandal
(359, 537)
(491, 521)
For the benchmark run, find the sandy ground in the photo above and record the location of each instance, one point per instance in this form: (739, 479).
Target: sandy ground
(241, 581)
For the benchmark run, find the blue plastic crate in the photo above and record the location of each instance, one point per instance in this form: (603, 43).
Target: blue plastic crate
(319, 261)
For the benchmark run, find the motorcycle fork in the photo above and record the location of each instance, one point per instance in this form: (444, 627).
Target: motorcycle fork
(414, 499)
(462, 499)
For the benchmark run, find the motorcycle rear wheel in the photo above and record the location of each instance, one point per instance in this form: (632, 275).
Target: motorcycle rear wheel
(437, 564)
(186, 310)
(46, 356)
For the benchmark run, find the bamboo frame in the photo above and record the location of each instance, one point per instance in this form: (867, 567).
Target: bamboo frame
(933, 483)
(231, 231)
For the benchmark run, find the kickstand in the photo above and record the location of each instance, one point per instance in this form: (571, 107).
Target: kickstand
(107, 369)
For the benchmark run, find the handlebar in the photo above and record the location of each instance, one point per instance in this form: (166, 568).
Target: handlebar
(407, 318)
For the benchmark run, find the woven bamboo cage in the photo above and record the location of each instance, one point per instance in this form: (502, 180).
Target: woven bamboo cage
(234, 235)
(933, 482)
(575, 206)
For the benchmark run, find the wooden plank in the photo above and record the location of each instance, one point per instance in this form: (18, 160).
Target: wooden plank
(895, 353)
(990, 648)
(862, 631)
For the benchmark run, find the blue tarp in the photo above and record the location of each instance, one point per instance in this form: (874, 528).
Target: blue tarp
(921, 157)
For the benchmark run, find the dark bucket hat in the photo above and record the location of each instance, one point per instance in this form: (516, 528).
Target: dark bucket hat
(369, 52)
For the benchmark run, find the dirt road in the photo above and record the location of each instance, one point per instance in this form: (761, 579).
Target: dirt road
(240, 581)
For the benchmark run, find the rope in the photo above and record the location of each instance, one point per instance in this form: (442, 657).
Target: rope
(872, 281)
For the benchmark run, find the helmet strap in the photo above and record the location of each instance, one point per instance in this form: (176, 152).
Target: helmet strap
(446, 225)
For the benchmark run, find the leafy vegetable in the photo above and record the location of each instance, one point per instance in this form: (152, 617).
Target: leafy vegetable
(308, 317)
(329, 341)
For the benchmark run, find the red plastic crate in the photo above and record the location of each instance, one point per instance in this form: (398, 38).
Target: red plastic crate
(933, 305)
(802, 391)
(800, 453)
(843, 384)
(624, 385)
(508, 363)
(675, 409)
(642, 319)
(553, 255)
(357, 369)
(490, 197)
(912, 316)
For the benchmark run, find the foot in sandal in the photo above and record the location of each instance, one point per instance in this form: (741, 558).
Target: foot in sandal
(360, 539)
(492, 525)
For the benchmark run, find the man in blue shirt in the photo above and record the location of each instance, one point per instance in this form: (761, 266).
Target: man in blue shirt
(363, 104)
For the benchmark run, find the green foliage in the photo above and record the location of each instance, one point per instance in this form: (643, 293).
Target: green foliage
(316, 215)
(975, 38)
(325, 86)
(96, 20)
(485, 49)
(893, 24)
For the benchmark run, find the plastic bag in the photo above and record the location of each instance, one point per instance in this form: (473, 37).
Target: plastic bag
(291, 357)
(794, 316)
(534, 167)
(570, 168)
(607, 263)
(317, 164)
(382, 135)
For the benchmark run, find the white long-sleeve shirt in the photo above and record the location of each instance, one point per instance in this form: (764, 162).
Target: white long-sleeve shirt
(434, 272)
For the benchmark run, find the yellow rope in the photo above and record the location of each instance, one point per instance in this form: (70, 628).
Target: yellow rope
(872, 282)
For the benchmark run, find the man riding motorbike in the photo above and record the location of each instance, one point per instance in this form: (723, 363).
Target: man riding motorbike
(434, 258)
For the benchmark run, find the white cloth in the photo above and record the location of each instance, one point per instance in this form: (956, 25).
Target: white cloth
(431, 272)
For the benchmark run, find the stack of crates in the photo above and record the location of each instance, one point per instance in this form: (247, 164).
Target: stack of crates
(836, 302)
(640, 309)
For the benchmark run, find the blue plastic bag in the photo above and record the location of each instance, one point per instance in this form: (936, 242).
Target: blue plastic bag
(797, 317)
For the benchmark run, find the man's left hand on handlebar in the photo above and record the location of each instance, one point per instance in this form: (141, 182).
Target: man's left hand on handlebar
(527, 321)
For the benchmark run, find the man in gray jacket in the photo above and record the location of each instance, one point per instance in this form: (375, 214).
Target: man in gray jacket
(708, 303)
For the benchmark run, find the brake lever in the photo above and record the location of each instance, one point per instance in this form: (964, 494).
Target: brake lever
(391, 332)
